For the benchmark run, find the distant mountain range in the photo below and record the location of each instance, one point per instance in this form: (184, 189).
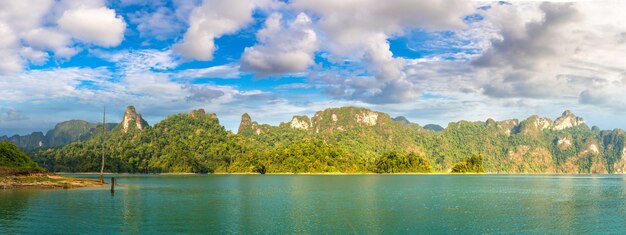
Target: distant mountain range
(62, 134)
(347, 139)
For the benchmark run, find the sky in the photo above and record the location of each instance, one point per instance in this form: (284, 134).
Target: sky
(432, 61)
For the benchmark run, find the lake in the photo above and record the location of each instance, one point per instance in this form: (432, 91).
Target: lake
(327, 204)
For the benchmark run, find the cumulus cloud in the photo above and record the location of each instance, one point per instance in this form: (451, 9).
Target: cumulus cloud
(211, 20)
(361, 29)
(99, 25)
(528, 44)
(282, 49)
(34, 56)
(31, 29)
(9, 47)
(17, 17)
(346, 21)
(50, 39)
(553, 50)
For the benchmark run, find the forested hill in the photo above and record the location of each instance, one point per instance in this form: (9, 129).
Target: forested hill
(62, 134)
(346, 139)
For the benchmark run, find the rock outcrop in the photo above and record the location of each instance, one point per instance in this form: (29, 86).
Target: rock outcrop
(564, 143)
(300, 122)
(567, 120)
(344, 118)
(367, 118)
(508, 126)
(247, 127)
(541, 123)
(132, 120)
(534, 124)
(30, 141)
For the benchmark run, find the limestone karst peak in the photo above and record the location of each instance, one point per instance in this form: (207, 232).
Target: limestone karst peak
(567, 120)
(132, 119)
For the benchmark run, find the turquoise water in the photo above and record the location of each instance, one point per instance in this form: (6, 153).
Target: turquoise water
(314, 204)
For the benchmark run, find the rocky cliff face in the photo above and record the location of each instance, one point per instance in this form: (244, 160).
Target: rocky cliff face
(347, 117)
(30, 141)
(334, 119)
(534, 124)
(508, 126)
(132, 119)
(70, 131)
(567, 120)
(247, 127)
(300, 122)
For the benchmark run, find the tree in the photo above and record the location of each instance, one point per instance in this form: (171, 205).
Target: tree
(473, 164)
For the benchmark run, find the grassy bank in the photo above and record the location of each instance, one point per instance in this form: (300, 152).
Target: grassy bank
(44, 181)
(17, 170)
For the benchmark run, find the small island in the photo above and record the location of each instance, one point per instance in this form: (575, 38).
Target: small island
(17, 170)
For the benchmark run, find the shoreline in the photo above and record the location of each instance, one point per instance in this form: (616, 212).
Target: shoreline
(46, 181)
(329, 173)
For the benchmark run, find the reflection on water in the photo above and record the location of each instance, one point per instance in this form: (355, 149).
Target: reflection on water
(12, 205)
(324, 204)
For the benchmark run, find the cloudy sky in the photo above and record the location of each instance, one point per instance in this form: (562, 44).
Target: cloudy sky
(433, 61)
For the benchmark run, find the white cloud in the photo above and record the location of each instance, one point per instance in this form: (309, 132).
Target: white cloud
(211, 20)
(282, 49)
(50, 39)
(34, 56)
(30, 29)
(527, 43)
(565, 51)
(99, 25)
(161, 24)
(9, 46)
(360, 30)
(345, 21)
(131, 61)
(28, 85)
(17, 17)
(226, 71)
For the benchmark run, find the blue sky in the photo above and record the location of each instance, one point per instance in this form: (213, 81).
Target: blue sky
(433, 61)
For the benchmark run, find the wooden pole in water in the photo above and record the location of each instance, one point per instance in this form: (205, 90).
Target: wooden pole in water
(104, 130)
(112, 184)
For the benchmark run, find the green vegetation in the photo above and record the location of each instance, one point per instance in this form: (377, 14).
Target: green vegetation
(17, 170)
(393, 162)
(14, 161)
(348, 140)
(474, 164)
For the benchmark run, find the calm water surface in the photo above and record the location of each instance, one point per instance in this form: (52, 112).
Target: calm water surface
(314, 204)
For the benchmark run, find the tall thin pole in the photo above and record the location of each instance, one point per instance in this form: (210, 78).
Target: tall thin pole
(104, 129)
